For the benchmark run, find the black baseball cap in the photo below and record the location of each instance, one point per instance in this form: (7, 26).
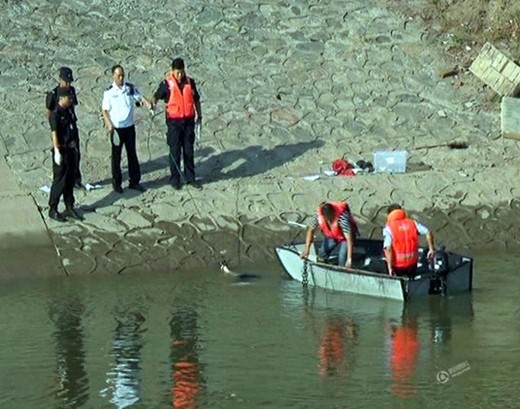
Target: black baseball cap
(66, 74)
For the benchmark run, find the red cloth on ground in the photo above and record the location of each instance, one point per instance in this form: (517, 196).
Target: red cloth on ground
(342, 167)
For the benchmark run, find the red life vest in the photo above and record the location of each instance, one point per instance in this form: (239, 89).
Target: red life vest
(334, 231)
(181, 104)
(405, 239)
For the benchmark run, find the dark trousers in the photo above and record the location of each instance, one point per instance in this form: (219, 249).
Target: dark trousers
(63, 179)
(406, 272)
(181, 138)
(126, 139)
(77, 172)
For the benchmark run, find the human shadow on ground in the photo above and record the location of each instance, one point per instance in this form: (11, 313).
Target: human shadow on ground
(250, 161)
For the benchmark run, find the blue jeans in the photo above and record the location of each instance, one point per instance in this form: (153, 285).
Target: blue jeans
(329, 245)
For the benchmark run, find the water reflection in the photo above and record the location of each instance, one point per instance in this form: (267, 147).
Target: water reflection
(186, 370)
(124, 378)
(338, 338)
(415, 335)
(66, 313)
(424, 327)
(404, 351)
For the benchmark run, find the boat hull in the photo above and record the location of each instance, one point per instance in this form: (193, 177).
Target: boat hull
(374, 283)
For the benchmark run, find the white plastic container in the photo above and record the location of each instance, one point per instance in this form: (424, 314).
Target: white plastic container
(390, 161)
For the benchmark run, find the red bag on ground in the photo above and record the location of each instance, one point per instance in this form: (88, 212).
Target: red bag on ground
(342, 167)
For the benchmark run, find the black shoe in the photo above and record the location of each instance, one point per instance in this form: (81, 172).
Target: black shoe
(118, 189)
(73, 214)
(79, 185)
(177, 186)
(138, 187)
(55, 215)
(195, 184)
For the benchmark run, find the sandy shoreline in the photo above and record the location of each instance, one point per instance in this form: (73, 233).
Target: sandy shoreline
(286, 89)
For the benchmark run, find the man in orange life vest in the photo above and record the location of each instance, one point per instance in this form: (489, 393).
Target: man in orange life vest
(182, 103)
(339, 228)
(401, 242)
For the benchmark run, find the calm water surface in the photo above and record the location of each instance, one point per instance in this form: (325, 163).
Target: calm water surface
(201, 340)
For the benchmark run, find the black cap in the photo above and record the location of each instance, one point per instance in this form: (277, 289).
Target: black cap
(63, 92)
(66, 74)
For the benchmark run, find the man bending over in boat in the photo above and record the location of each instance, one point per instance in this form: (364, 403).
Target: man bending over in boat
(401, 242)
(339, 228)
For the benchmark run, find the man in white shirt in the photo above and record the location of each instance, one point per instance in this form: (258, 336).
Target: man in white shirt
(119, 101)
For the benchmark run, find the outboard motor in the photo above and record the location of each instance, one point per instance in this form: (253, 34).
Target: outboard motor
(439, 263)
(439, 267)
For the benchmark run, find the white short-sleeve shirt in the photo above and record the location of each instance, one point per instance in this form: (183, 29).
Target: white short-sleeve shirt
(120, 104)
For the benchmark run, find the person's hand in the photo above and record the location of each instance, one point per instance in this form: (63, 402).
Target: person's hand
(305, 254)
(199, 120)
(391, 273)
(115, 138)
(197, 131)
(348, 264)
(57, 157)
(431, 253)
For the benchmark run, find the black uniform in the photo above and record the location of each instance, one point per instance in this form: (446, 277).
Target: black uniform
(180, 136)
(50, 103)
(63, 122)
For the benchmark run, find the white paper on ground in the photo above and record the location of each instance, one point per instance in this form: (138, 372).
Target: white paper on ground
(311, 178)
(330, 172)
(45, 189)
(90, 187)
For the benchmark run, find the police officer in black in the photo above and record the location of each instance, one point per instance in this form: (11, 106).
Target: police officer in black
(63, 134)
(65, 81)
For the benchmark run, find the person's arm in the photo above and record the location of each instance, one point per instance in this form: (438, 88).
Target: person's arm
(308, 241)
(347, 224)
(105, 108)
(146, 102)
(431, 244)
(50, 103)
(350, 249)
(423, 230)
(389, 259)
(108, 122)
(161, 94)
(139, 97)
(199, 111)
(196, 98)
(387, 248)
(54, 139)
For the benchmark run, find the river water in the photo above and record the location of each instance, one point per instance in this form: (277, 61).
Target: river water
(201, 339)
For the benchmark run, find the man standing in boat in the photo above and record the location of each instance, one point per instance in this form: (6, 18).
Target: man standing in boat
(401, 242)
(339, 228)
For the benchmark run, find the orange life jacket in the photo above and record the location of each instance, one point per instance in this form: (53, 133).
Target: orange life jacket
(181, 104)
(405, 239)
(334, 231)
